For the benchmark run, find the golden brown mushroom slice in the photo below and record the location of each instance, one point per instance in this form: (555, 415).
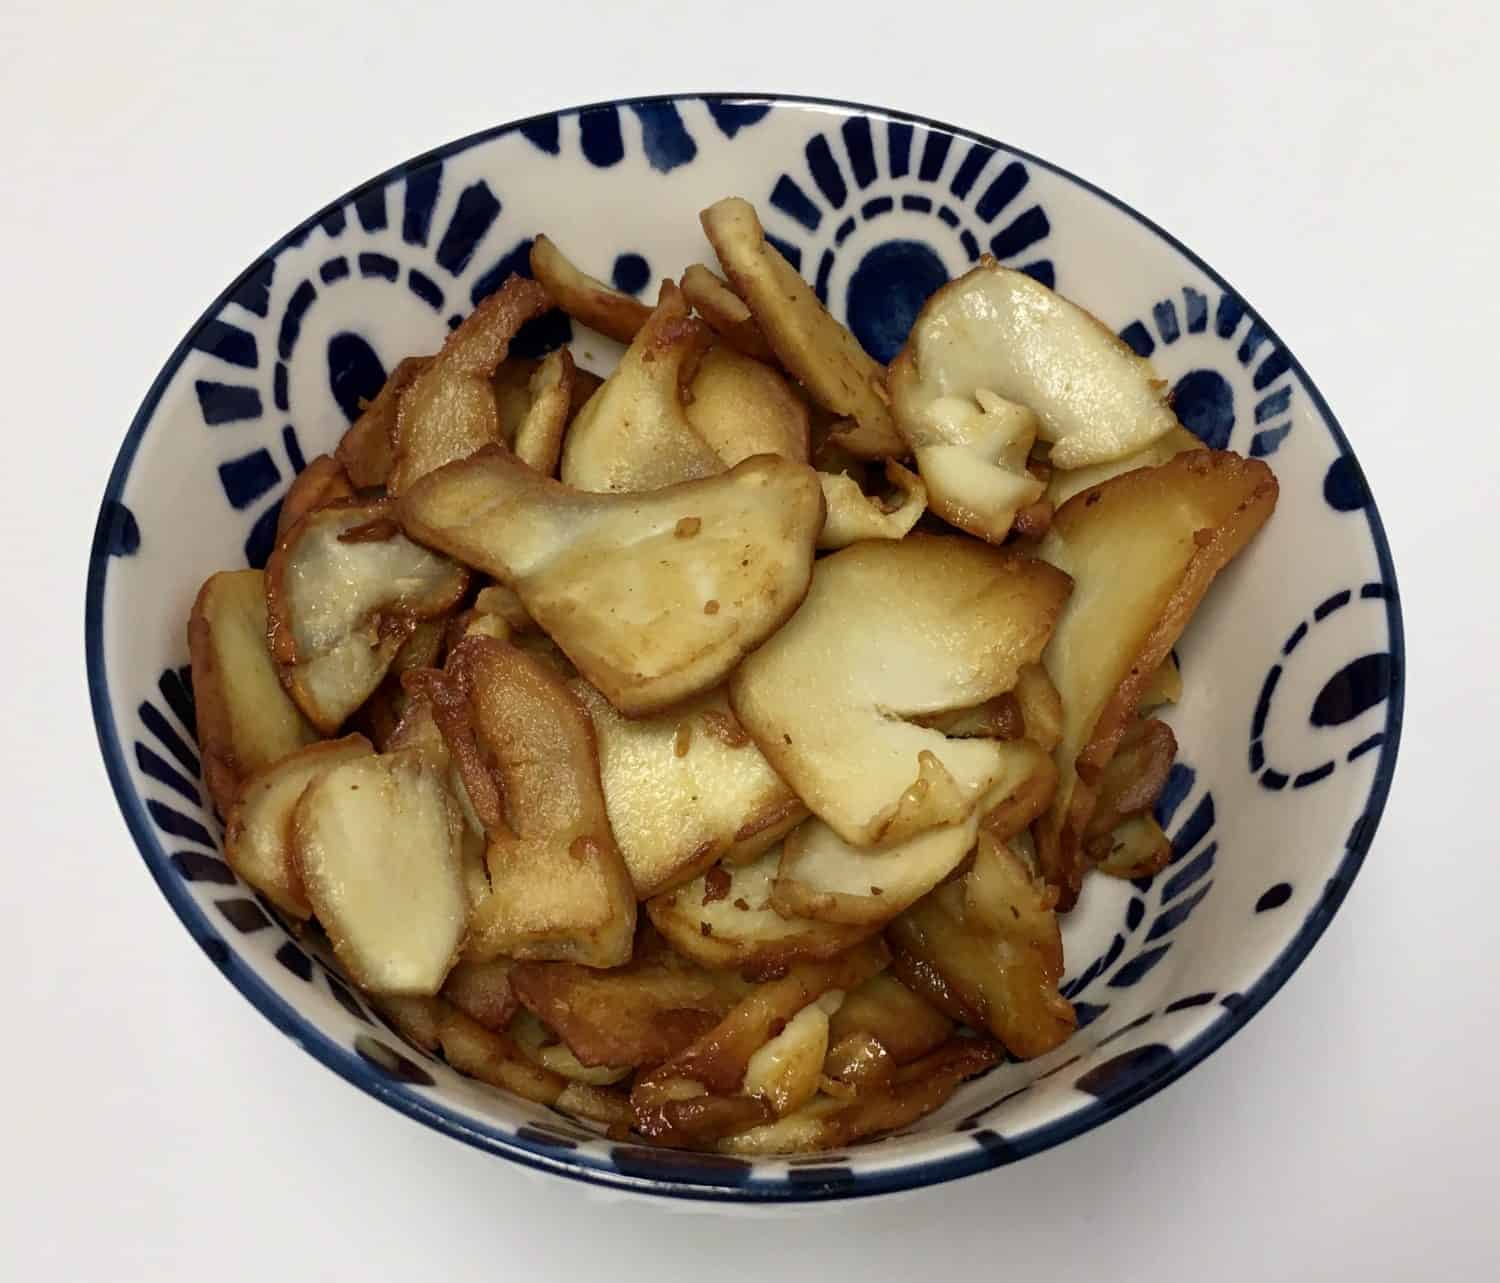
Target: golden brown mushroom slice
(1063, 484)
(345, 589)
(378, 843)
(893, 630)
(655, 597)
(1000, 332)
(1134, 778)
(698, 1095)
(643, 1013)
(539, 436)
(634, 433)
(483, 992)
(814, 348)
(449, 409)
(724, 918)
(685, 788)
(585, 298)
(725, 312)
(541, 1043)
(558, 887)
(742, 407)
(853, 515)
(1143, 549)
(322, 482)
(986, 950)
(258, 835)
(907, 1094)
(878, 1027)
(365, 449)
(245, 719)
(828, 879)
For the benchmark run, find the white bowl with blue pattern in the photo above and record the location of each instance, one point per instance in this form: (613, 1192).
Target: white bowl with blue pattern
(1293, 668)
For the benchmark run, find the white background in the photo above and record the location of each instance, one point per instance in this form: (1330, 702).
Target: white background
(1336, 161)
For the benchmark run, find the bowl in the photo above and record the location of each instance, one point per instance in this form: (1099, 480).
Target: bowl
(1293, 668)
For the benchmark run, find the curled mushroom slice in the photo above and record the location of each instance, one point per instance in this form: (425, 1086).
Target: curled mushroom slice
(814, 348)
(322, 482)
(987, 951)
(640, 1014)
(853, 515)
(526, 752)
(998, 331)
(971, 449)
(892, 630)
(878, 1027)
(378, 843)
(448, 411)
(999, 718)
(585, 298)
(365, 449)
(1134, 778)
(786, 1071)
(1143, 549)
(539, 435)
(655, 597)
(1135, 848)
(257, 837)
(1063, 484)
(634, 433)
(826, 878)
(830, 1122)
(725, 312)
(344, 591)
(685, 788)
(741, 407)
(724, 918)
(697, 1096)
(244, 717)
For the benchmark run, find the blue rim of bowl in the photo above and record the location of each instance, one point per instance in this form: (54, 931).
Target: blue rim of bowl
(675, 1178)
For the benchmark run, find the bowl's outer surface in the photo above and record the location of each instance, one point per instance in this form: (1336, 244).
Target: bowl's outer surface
(1292, 708)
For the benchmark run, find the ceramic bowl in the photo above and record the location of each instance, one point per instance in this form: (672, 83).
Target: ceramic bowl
(1289, 722)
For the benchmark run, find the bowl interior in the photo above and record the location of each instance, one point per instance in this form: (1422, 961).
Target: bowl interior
(1291, 709)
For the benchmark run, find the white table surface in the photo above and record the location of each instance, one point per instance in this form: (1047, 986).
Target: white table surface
(1339, 167)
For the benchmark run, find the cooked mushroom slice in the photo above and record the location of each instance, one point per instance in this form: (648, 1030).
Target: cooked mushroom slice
(1041, 706)
(814, 348)
(415, 1018)
(365, 449)
(971, 449)
(893, 630)
(1143, 549)
(542, 1044)
(1134, 778)
(725, 312)
(724, 918)
(697, 1096)
(559, 889)
(878, 1027)
(378, 843)
(634, 433)
(827, 879)
(854, 515)
(998, 331)
(999, 718)
(1135, 848)
(585, 298)
(449, 409)
(511, 384)
(655, 597)
(322, 482)
(257, 838)
(483, 992)
(344, 591)
(909, 1093)
(786, 1071)
(640, 1014)
(497, 599)
(742, 407)
(493, 1057)
(685, 788)
(1165, 686)
(1063, 484)
(539, 435)
(987, 951)
(245, 719)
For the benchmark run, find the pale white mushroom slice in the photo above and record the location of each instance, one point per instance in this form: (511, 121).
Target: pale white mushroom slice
(685, 788)
(1063, 484)
(379, 847)
(258, 835)
(448, 410)
(814, 348)
(893, 630)
(724, 919)
(999, 331)
(853, 515)
(786, 1071)
(245, 718)
(344, 591)
(655, 597)
(585, 298)
(634, 433)
(827, 879)
(1143, 549)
